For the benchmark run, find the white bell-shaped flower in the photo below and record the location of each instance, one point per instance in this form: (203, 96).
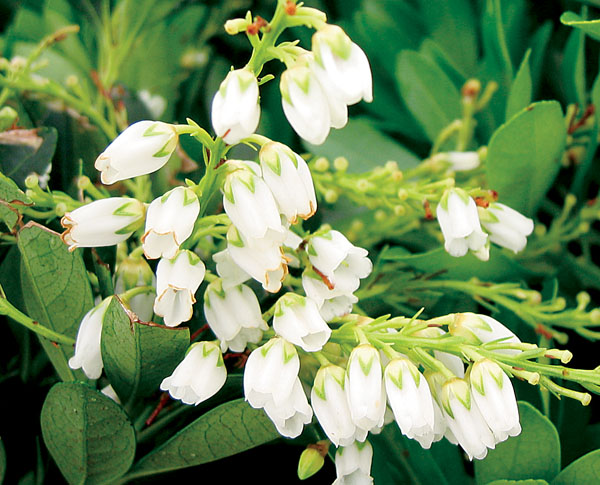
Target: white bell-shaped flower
(365, 387)
(249, 203)
(304, 102)
(495, 398)
(332, 302)
(330, 404)
(336, 258)
(233, 315)
(465, 420)
(231, 274)
(461, 161)
(297, 320)
(479, 329)
(459, 222)
(198, 376)
(353, 464)
(87, 346)
(411, 401)
(341, 64)
(507, 227)
(169, 222)
(177, 280)
(262, 258)
(235, 108)
(292, 414)
(104, 222)
(287, 175)
(142, 148)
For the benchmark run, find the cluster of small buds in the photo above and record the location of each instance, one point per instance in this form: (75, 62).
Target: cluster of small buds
(460, 220)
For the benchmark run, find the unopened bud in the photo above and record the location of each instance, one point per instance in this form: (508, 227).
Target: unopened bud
(60, 209)
(471, 89)
(402, 194)
(565, 356)
(583, 299)
(357, 225)
(540, 230)
(341, 164)
(235, 26)
(584, 227)
(391, 165)
(32, 181)
(399, 210)
(83, 182)
(595, 315)
(321, 164)
(362, 185)
(72, 80)
(482, 152)
(331, 196)
(311, 461)
(380, 216)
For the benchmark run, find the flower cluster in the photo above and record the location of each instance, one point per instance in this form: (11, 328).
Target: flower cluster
(461, 219)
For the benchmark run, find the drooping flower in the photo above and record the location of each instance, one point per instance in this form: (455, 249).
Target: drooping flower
(297, 319)
(353, 464)
(249, 203)
(459, 222)
(135, 272)
(507, 227)
(177, 280)
(341, 64)
(87, 346)
(233, 315)
(332, 302)
(169, 222)
(104, 222)
(235, 108)
(271, 382)
(495, 398)
(462, 161)
(479, 329)
(465, 420)
(198, 376)
(411, 401)
(144, 147)
(261, 258)
(231, 274)
(365, 387)
(330, 404)
(287, 175)
(304, 103)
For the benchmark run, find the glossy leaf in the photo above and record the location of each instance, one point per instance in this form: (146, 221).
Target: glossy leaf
(584, 470)
(226, 430)
(524, 155)
(519, 96)
(535, 453)
(356, 141)
(25, 151)
(88, 434)
(431, 97)
(56, 289)
(590, 27)
(572, 69)
(11, 198)
(137, 356)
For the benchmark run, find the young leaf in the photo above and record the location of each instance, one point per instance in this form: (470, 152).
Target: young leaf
(535, 453)
(573, 68)
(524, 155)
(56, 290)
(520, 92)
(590, 27)
(584, 470)
(228, 429)
(88, 434)
(137, 356)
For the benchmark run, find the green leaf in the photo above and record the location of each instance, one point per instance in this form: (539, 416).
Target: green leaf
(584, 470)
(88, 434)
(530, 481)
(437, 55)
(26, 151)
(56, 290)
(534, 453)
(500, 266)
(572, 69)
(11, 196)
(590, 27)
(137, 356)
(538, 44)
(519, 96)
(428, 92)
(356, 141)
(524, 155)
(228, 429)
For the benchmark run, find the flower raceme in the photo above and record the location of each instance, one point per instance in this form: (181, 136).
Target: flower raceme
(198, 376)
(144, 147)
(103, 222)
(170, 221)
(235, 108)
(459, 222)
(177, 280)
